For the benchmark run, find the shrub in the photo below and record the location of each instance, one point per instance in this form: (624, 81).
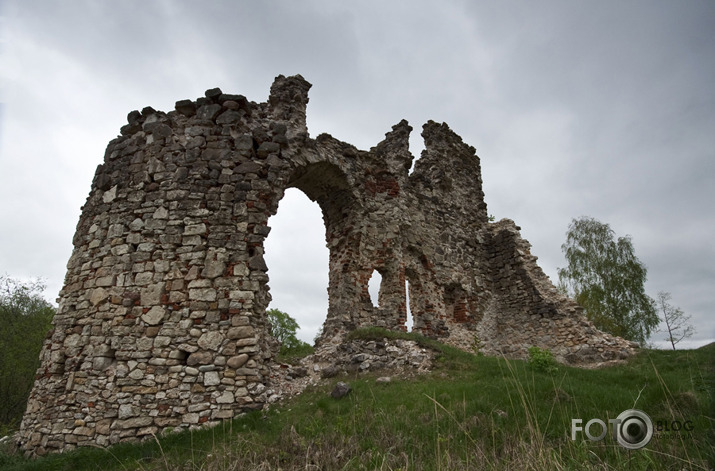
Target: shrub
(25, 318)
(542, 359)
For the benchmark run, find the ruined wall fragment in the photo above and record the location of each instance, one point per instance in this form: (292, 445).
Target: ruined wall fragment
(161, 321)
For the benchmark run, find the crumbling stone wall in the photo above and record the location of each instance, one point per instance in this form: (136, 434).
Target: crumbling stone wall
(161, 321)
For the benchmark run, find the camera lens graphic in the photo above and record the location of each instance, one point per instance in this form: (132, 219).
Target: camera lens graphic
(634, 430)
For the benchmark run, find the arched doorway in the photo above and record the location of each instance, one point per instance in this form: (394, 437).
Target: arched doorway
(297, 257)
(316, 215)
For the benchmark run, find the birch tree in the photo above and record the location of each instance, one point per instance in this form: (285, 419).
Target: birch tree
(606, 278)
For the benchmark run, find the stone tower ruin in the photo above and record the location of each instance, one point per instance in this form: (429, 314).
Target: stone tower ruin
(162, 318)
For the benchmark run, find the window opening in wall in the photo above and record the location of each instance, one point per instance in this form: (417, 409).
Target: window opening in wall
(298, 263)
(373, 287)
(409, 322)
(417, 146)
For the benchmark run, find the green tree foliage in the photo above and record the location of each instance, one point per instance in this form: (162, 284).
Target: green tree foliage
(283, 329)
(25, 319)
(607, 279)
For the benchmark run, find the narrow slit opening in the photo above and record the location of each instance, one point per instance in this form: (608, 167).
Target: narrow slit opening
(373, 287)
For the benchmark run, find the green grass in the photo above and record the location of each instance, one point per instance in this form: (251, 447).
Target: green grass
(471, 412)
(293, 355)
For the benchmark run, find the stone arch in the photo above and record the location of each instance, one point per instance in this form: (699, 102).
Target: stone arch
(297, 258)
(328, 185)
(325, 183)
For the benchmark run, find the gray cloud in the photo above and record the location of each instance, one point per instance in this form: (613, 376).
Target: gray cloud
(603, 109)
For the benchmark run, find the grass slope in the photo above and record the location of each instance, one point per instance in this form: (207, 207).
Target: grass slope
(471, 412)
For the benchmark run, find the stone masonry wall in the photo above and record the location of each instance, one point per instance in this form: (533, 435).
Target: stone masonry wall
(161, 321)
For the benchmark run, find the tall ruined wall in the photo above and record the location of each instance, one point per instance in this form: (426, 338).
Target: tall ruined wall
(161, 321)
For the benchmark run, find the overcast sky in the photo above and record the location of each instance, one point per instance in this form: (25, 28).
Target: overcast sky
(576, 108)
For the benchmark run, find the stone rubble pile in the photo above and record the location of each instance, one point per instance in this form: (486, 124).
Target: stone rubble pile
(403, 358)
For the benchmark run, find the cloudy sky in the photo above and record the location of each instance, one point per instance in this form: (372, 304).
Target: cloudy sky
(590, 108)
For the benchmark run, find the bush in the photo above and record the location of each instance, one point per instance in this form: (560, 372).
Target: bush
(542, 360)
(25, 318)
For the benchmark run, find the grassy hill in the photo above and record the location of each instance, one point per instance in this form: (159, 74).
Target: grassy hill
(470, 412)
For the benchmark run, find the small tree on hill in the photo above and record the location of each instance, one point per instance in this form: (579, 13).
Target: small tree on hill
(606, 278)
(677, 323)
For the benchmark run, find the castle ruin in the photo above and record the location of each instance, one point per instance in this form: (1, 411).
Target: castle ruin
(162, 318)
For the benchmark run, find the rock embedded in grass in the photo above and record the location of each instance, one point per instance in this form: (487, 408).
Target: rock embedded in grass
(341, 390)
